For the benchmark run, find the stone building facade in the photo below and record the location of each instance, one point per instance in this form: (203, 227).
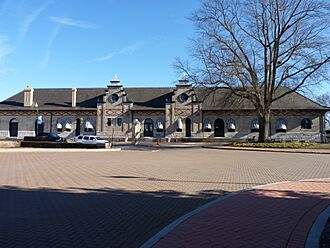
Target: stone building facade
(181, 111)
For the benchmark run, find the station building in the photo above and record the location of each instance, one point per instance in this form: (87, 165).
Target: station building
(172, 112)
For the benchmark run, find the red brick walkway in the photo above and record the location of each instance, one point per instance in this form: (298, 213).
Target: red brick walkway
(278, 215)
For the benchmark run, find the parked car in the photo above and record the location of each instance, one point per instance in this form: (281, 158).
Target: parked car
(90, 139)
(53, 137)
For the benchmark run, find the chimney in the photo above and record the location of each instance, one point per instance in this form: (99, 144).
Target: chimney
(74, 97)
(28, 96)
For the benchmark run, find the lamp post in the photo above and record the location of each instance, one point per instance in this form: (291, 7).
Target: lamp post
(36, 106)
(113, 131)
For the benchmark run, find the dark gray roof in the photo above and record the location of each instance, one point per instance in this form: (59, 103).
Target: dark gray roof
(223, 99)
(151, 98)
(57, 99)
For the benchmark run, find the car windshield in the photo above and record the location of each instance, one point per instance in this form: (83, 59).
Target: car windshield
(99, 138)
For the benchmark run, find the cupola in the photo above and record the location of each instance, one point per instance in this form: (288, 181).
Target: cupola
(115, 82)
(184, 81)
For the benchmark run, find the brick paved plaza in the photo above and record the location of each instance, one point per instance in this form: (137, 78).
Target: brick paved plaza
(120, 199)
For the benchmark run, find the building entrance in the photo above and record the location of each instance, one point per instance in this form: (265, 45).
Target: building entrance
(219, 128)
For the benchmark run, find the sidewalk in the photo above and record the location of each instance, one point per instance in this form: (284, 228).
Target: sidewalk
(291, 150)
(277, 215)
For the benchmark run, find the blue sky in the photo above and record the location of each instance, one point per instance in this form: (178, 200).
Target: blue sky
(82, 43)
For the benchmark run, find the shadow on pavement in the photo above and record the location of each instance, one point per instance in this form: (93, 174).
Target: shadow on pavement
(281, 218)
(80, 217)
(153, 179)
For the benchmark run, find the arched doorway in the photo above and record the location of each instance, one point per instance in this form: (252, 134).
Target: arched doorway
(13, 128)
(148, 128)
(78, 126)
(188, 127)
(39, 128)
(219, 128)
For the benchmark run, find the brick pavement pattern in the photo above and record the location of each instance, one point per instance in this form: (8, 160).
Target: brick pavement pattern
(120, 199)
(273, 216)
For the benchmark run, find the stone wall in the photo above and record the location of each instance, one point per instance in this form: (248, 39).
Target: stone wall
(27, 122)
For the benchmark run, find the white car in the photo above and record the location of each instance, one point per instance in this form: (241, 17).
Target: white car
(90, 139)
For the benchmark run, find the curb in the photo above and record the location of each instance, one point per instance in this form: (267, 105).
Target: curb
(265, 150)
(8, 150)
(163, 232)
(316, 230)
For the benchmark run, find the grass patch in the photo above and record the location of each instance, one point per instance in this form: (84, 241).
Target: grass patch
(320, 146)
(276, 145)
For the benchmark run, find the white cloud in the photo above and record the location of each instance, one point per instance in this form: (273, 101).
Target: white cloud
(5, 47)
(124, 51)
(5, 71)
(106, 57)
(71, 22)
(51, 40)
(25, 26)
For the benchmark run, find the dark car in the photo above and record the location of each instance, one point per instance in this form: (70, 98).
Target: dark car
(50, 137)
(53, 137)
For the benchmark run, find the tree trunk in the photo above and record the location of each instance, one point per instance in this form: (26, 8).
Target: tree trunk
(264, 126)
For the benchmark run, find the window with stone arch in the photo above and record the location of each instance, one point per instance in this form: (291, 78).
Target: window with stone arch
(160, 125)
(231, 125)
(255, 126)
(306, 123)
(89, 126)
(68, 125)
(59, 125)
(207, 125)
(281, 126)
(179, 125)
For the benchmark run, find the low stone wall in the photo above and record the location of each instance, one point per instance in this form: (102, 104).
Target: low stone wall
(45, 144)
(308, 137)
(9, 143)
(21, 134)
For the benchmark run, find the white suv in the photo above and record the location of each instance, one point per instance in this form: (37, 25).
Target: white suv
(90, 139)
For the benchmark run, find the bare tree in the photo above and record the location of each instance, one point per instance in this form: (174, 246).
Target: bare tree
(324, 100)
(262, 50)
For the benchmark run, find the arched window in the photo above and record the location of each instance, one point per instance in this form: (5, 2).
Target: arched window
(39, 126)
(136, 122)
(255, 126)
(13, 128)
(89, 127)
(306, 124)
(231, 125)
(207, 126)
(148, 128)
(219, 128)
(180, 125)
(160, 126)
(59, 127)
(68, 127)
(281, 126)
